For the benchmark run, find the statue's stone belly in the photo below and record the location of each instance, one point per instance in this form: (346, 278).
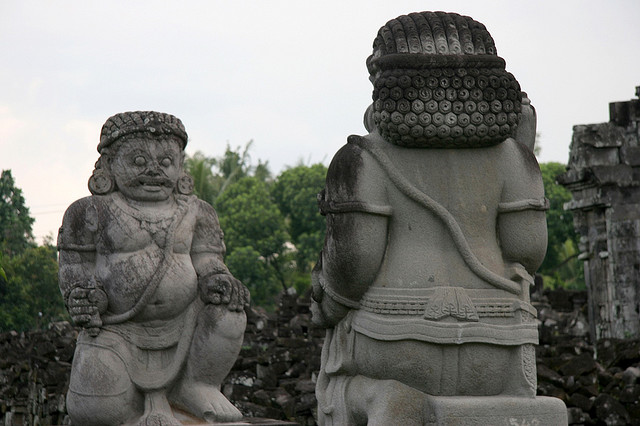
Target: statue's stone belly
(125, 277)
(175, 292)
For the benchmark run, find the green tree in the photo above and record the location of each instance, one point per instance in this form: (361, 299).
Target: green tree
(206, 185)
(15, 222)
(247, 265)
(255, 237)
(249, 217)
(561, 266)
(296, 191)
(212, 176)
(273, 230)
(29, 294)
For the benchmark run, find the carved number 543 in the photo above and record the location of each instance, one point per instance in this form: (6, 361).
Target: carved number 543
(523, 422)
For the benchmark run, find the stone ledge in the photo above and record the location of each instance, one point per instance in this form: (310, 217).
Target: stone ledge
(187, 419)
(496, 410)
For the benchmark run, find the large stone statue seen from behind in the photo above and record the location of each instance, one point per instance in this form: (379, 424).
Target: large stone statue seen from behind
(435, 227)
(141, 270)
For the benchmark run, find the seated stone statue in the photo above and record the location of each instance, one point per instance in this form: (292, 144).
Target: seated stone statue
(141, 270)
(435, 227)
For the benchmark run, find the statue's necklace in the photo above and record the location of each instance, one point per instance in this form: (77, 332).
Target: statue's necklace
(155, 223)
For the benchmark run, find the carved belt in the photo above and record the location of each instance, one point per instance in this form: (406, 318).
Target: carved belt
(440, 302)
(426, 314)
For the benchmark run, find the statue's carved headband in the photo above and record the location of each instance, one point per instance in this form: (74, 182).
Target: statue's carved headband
(150, 122)
(421, 61)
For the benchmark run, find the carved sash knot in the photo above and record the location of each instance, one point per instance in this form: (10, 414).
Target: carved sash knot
(451, 302)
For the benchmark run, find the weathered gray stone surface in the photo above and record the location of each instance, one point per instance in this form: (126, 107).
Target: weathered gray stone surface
(141, 270)
(604, 178)
(435, 227)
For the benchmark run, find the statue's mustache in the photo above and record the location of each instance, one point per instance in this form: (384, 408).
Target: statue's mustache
(150, 180)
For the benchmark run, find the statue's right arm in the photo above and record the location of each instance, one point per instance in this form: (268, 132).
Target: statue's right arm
(355, 205)
(76, 244)
(215, 283)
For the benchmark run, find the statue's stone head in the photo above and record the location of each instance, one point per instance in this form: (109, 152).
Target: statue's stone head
(141, 155)
(438, 83)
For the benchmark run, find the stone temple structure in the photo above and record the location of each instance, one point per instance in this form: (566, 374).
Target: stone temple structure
(142, 272)
(435, 227)
(604, 177)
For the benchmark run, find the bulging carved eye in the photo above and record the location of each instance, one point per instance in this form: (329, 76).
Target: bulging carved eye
(140, 161)
(166, 162)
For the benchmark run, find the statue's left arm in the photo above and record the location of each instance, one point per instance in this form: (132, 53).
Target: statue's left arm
(216, 285)
(522, 226)
(357, 213)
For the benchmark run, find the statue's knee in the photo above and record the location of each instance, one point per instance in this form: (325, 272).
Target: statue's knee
(224, 323)
(389, 402)
(98, 372)
(103, 410)
(100, 390)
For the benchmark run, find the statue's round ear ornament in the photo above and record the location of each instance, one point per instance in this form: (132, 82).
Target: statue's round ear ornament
(185, 184)
(101, 182)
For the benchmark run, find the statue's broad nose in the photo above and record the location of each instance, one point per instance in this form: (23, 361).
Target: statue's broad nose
(153, 168)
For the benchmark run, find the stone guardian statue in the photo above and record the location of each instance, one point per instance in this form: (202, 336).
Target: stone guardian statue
(142, 272)
(435, 227)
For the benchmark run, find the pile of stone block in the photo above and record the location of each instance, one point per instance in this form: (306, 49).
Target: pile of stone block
(598, 390)
(274, 376)
(34, 375)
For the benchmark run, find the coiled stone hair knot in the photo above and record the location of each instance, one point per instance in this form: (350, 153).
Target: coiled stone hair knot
(438, 83)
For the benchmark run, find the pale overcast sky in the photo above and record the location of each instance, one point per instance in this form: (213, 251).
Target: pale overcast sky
(290, 75)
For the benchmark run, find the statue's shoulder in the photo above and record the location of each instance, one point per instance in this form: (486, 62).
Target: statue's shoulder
(204, 213)
(354, 174)
(352, 150)
(518, 159)
(352, 160)
(81, 207)
(199, 206)
(80, 222)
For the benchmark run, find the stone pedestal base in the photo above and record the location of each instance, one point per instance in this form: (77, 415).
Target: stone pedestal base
(496, 410)
(187, 419)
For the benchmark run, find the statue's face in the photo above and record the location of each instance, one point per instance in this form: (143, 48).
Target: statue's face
(147, 169)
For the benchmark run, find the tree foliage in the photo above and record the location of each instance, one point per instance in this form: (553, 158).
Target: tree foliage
(273, 231)
(561, 267)
(296, 191)
(254, 270)
(249, 217)
(29, 295)
(212, 175)
(15, 221)
(255, 236)
(205, 184)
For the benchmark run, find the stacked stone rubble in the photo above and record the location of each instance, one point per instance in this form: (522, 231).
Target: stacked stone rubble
(274, 376)
(604, 178)
(34, 375)
(602, 391)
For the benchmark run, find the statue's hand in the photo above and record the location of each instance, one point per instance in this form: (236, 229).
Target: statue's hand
(317, 292)
(85, 306)
(328, 313)
(325, 312)
(224, 289)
